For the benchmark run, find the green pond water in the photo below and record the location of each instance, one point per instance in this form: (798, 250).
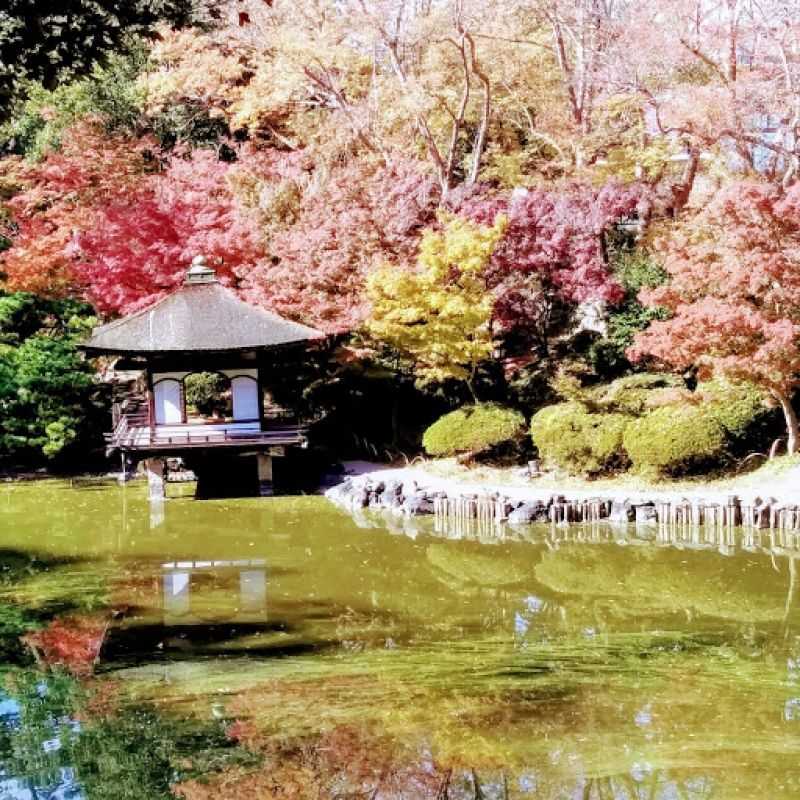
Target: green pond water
(281, 647)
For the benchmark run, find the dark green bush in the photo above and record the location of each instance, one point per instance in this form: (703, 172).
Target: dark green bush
(207, 391)
(571, 438)
(473, 429)
(672, 439)
(633, 270)
(49, 403)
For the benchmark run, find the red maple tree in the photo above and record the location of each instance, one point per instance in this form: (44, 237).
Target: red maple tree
(364, 216)
(734, 293)
(141, 244)
(54, 200)
(554, 250)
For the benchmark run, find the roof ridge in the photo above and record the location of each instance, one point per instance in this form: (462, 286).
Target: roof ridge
(251, 306)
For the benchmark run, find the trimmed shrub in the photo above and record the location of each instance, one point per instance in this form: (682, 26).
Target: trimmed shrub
(673, 439)
(571, 438)
(473, 429)
(634, 394)
(735, 405)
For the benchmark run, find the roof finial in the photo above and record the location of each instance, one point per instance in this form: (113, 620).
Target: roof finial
(200, 272)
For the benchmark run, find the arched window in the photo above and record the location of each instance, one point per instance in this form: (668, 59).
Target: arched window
(168, 401)
(245, 398)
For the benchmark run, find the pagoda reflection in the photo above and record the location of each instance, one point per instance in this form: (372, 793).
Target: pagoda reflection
(207, 592)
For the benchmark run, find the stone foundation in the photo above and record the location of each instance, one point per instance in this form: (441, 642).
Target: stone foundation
(406, 496)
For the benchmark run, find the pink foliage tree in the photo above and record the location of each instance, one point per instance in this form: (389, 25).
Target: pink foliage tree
(120, 221)
(734, 293)
(141, 244)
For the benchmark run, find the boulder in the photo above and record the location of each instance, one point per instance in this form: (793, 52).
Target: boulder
(361, 497)
(418, 503)
(409, 488)
(389, 493)
(534, 511)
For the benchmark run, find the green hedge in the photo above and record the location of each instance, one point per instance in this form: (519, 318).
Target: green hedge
(650, 421)
(571, 438)
(672, 439)
(472, 429)
(735, 405)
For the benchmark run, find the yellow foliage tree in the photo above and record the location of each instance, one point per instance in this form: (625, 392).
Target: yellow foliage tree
(440, 315)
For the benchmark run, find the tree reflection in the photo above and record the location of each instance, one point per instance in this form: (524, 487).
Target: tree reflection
(128, 753)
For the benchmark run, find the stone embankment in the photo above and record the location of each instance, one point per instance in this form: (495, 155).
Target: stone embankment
(405, 493)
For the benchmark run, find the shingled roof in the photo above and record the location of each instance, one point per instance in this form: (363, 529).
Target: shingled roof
(200, 316)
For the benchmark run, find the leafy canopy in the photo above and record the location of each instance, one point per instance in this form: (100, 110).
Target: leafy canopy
(53, 43)
(734, 293)
(734, 289)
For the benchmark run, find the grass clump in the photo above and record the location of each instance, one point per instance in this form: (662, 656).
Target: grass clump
(473, 429)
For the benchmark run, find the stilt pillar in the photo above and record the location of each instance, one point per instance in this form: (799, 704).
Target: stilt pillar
(264, 474)
(155, 478)
(156, 486)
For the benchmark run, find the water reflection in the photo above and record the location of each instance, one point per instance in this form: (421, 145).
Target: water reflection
(205, 592)
(725, 540)
(42, 735)
(321, 656)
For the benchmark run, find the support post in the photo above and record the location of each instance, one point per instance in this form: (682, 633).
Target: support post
(156, 486)
(264, 474)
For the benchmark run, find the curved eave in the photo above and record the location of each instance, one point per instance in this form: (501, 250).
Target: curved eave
(92, 350)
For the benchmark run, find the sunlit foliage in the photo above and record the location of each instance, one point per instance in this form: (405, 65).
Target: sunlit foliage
(440, 315)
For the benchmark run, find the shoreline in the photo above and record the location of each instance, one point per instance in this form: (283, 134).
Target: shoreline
(30, 476)
(763, 499)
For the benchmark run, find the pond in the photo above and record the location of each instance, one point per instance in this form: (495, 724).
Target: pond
(281, 648)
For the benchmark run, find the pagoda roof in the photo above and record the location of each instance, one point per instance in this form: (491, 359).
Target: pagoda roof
(199, 316)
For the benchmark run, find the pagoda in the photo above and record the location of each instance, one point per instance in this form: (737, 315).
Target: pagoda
(202, 331)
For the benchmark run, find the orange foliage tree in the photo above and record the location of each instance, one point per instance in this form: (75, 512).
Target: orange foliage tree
(72, 643)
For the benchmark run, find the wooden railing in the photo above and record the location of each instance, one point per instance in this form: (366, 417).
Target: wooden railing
(133, 431)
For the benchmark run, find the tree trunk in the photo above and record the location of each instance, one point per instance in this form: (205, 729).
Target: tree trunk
(790, 416)
(394, 413)
(476, 787)
(479, 144)
(683, 190)
(470, 381)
